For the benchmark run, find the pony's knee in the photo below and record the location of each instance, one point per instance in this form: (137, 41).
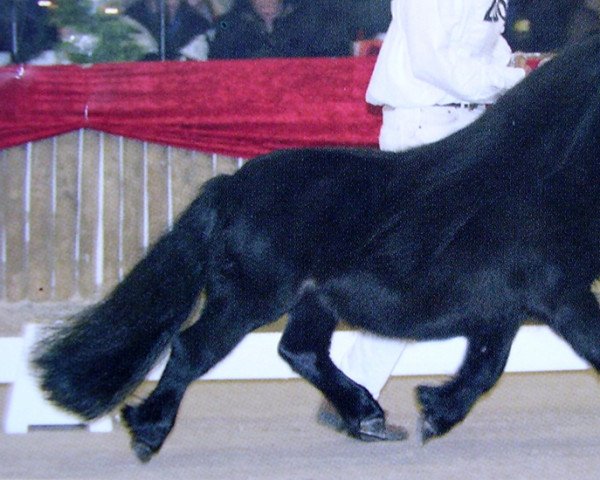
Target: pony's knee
(302, 362)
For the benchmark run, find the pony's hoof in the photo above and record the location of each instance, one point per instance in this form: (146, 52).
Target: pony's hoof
(439, 414)
(142, 451)
(376, 430)
(427, 429)
(431, 426)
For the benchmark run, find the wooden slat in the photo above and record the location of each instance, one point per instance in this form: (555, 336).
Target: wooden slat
(112, 204)
(228, 165)
(39, 261)
(157, 199)
(88, 194)
(14, 217)
(190, 171)
(66, 210)
(132, 231)
(3, 223)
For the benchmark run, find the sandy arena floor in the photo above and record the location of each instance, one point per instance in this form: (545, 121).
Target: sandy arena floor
(534, 426)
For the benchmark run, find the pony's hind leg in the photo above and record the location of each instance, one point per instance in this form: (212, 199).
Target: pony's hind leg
(193, 352)
(305, 346)
(442, 407)
(577, 320)
(151, 422)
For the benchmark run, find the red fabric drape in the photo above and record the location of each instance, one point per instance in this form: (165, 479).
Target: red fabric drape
(236, 107)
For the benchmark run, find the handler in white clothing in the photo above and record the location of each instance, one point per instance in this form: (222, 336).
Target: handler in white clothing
(441, 63)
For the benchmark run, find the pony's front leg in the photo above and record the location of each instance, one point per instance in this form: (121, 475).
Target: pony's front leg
(442, 407)
(305, 346)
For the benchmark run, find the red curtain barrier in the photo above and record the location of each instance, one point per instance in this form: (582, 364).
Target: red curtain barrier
(236, 107)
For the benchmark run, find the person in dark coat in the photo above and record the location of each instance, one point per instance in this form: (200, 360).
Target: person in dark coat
(545, 26)
(182, 24)
(24, 30)
(282, 28)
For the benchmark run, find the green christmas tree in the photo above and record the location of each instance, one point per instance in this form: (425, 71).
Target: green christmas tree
(96, 36)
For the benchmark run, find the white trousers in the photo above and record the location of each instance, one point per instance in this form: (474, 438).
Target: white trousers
(405, 128)
(371, 359)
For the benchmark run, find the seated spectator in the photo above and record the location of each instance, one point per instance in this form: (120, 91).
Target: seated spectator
(282, 28)
(585, 21)
(24, 31)
(219, 7)
(370, 18)
(207, 9)
(543, 26)
(183, 28)
(5, 40)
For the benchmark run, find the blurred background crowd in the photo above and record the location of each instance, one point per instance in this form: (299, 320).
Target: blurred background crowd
(47, 32)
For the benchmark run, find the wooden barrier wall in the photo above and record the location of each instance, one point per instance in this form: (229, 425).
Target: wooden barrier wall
(78, 210)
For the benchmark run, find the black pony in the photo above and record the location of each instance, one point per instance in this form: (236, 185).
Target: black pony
(467, 237)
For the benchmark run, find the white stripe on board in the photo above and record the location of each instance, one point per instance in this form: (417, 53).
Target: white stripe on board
(121, 220)
(27, 201)
(3, 234)
(78, 212)
(99, 252)
(145, 201)
(53, 213)
(169, 187)
(214, 159)
(535, 349)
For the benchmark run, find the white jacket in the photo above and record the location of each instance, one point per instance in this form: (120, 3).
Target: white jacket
(438, 52)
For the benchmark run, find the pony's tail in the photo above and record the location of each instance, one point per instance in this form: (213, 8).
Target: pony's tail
(91, 363)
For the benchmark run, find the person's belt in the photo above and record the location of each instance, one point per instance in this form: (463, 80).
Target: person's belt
(468, 106)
